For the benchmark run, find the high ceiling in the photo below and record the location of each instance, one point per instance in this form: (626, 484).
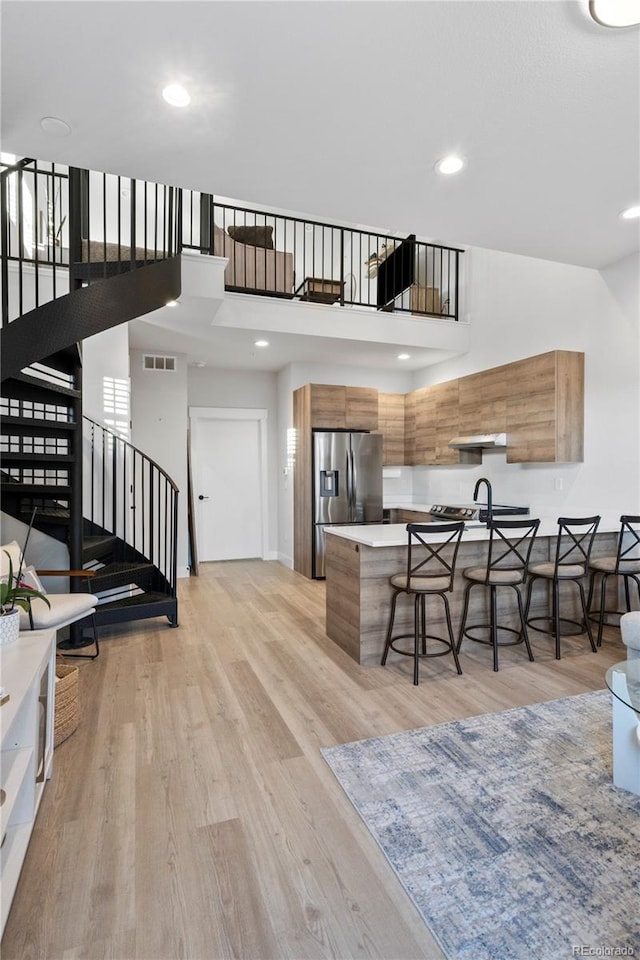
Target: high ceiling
(339, 110)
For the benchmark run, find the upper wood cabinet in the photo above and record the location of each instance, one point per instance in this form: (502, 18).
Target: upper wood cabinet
(343, 408)
(391, 426)
(545, 408)
(483, 402)
(361, 408)
(424, 449)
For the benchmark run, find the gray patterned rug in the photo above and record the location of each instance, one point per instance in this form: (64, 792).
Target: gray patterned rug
(506, 830)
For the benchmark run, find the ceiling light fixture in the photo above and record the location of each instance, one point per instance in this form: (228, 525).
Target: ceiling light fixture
(55, 127)
(615, 13)
(176, 95)
(630, 213)
(261, 343)
(449, 165)
(403, 356)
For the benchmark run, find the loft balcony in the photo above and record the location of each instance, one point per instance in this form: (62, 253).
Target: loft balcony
(242, 268)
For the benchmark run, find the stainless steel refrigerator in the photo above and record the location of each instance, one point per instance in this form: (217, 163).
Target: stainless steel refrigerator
(347, 484)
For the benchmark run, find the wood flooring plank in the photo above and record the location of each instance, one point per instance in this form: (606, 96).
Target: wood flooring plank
(191, 814)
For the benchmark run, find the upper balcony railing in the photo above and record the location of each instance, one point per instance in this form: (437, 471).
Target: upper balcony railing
(284, 256)
(63, 227)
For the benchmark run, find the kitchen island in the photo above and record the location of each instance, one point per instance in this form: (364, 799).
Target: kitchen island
(361, 558)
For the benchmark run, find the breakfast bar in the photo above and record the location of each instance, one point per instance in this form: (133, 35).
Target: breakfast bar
(361, 558)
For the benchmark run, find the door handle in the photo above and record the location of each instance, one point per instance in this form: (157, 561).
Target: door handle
(201, 497)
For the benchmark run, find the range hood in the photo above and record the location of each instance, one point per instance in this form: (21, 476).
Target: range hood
(479, 441)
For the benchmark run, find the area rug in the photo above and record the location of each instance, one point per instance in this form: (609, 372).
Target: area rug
(506, 830)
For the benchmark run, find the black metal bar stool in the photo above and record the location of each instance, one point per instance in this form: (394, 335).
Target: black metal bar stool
(573, 549)
(510, 543)
(625, 564)
(432, 551)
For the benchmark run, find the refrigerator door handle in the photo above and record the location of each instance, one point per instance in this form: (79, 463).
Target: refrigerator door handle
(354, 486)
(349, 482)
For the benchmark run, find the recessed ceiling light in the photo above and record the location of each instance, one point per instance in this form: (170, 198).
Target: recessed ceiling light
(261, 343)
(403, 356)
(631, 213)
(55, 127)
(615, 13)
(171, 303)
(176, 95)
(450, 165)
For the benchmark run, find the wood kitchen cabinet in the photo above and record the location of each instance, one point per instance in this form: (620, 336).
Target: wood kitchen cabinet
(545, 408)
(334, 407)
(321, 407)
(410, 429)
(431, 422)
(483, 402)
(391, 426)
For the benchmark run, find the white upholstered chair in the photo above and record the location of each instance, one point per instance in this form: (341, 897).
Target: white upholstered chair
(64, 608)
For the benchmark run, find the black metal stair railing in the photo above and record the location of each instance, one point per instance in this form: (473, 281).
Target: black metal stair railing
(130, 497)
(64, 228)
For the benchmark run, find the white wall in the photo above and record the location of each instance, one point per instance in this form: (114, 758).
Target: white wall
(516, 307)
(105, 367)
(241, 389)
(159, 429)
(519, 307)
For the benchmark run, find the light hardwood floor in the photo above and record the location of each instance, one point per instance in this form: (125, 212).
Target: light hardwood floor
(191, 814)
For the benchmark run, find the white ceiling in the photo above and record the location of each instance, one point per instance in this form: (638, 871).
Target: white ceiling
(339, 110)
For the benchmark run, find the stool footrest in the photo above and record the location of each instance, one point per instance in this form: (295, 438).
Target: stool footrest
(410, 653)
(499, 629)
(578, 625)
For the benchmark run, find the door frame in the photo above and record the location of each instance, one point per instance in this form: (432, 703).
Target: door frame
(237, 413)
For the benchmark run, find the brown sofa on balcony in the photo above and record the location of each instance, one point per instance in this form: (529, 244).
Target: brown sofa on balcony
(253, 267)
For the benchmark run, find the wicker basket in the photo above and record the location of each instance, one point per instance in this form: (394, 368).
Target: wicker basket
(66, 712)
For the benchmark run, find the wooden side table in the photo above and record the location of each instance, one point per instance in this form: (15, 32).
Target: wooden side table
(319, 290)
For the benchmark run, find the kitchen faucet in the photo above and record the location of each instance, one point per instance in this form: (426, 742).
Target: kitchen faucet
(489, 497)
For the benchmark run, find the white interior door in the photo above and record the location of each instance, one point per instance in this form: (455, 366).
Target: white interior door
(228, 459)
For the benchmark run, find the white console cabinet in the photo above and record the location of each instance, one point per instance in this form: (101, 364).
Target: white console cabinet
(27, 676)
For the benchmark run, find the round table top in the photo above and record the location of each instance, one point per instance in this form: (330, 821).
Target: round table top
(623, 680)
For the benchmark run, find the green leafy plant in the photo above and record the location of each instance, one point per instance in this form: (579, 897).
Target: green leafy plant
(14, 593)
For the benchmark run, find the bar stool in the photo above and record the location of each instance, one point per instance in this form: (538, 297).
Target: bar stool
(510, 543)
(573, 549)
(432, 550)
(625, 564)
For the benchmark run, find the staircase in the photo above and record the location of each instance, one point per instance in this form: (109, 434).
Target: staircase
(113, 507)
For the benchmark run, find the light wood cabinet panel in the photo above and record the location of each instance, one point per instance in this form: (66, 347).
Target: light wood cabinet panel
(391, 426)
(483, 402)
(328, 406)
(425, 444)
(361, 408)
(445, 398)
(545, 408)
(410, 429)
(302, 506)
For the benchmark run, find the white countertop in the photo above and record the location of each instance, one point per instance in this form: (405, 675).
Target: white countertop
(395, 534)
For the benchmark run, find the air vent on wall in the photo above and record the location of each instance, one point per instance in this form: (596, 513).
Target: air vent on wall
(151, 361)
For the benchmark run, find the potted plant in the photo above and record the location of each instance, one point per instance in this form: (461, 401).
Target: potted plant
(15, 595)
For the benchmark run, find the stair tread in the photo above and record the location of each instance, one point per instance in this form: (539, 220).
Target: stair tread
(123, 565)
(36, 489)
(137, 600)
(45, 384)
(48, 458)
(39, 425)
